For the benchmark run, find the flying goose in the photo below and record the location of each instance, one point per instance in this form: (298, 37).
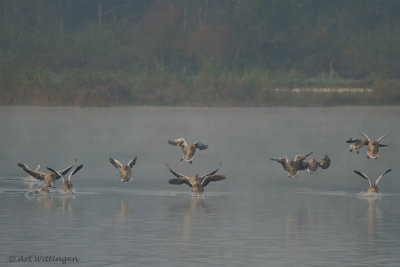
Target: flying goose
(124, 170)
(48, 178)
(325, 162)
(357, 144)
(293, 166)
(196, 183)
(67, 185)
(372, 187)
(373, 146)
(188, 150)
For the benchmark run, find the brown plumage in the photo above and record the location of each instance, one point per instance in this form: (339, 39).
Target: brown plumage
(196, 183)
(188, 150)
(293, 166)
(124, 170)
(372, 187)
(66, 185)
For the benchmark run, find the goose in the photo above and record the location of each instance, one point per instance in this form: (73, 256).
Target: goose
(48, 178)
(188, 150)
(372, 187)
(196, 183)
(357, 144)
(373, 146)
(325, 162)
(293, 166)
(124, 170)
(67, 185)
(312, 165)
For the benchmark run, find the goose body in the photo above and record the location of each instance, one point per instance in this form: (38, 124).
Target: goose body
(187, 150)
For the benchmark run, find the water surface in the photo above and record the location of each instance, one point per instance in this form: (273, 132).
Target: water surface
(256, 217)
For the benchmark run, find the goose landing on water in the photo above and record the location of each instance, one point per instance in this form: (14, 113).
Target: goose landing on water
(293, 166)
(196, 183)
(124, 170)
(48, 178)
(188, 150)
(67, 185)
(372, 187)
(373, 146)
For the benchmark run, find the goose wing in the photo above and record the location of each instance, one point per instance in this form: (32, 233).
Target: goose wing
(211, 173)
(352, 141)
(283, 161)
(115, 162)
(66, 170)
(180, 178)
(36, 174)
(380, 177)
(59, 174)
(37, 168)
(200, 145)
(177, 142)
(383, 136)
(212, 178)
(363, 175)
(366, 136)
(298, 158)
(132, 162)
(75, 171)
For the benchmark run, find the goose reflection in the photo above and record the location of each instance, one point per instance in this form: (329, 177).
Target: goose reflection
(46, 202)
(124, 211)
(373, 216)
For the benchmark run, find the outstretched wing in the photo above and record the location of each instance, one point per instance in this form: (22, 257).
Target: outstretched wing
(36, 174)
(177, 142)
(180, 178)
(66, 170)
(211, 173)
(115, 162)
(380, 138)
(363, 175)
(301, 157)
(212, 178)
(59, 174)
(37, 168)
(75, 171)
(352, 141)
(380, 177)
(282, 161)
(200, 145)
(177, 175)
(132, 162)
(366, 136)
(383, 145)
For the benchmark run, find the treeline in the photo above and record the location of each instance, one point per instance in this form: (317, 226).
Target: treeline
(197, 52)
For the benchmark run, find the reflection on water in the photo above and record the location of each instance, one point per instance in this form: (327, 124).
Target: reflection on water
(124, 211)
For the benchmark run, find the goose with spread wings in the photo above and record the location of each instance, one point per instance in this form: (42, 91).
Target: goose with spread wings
(48, 178)
(372, 187)
(188, 150)
(124, 170)
(293, 166)
(196, 183)
(67, 185)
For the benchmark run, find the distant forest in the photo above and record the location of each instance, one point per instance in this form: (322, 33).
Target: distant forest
(198, 52)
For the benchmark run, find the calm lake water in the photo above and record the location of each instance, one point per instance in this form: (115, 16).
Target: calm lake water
(256, 217)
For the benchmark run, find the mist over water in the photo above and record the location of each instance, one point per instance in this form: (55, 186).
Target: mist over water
(256, 217)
